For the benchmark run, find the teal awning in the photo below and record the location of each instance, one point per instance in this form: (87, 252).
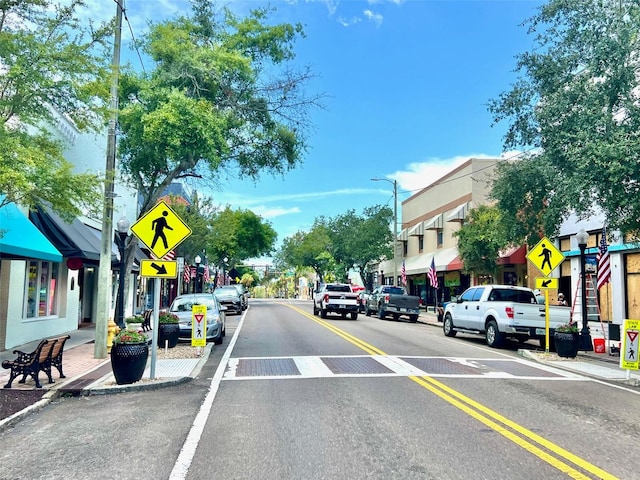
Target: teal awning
(21, 238)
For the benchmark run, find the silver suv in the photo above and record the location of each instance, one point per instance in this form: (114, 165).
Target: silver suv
(243, 292)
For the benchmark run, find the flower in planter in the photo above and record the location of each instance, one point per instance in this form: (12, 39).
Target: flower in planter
(571, 327)
(134, 319)
(126, 336)
(167, 317)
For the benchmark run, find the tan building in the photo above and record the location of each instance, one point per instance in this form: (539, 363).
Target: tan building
(429, 220)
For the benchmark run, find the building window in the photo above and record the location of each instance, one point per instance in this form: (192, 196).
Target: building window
(420, 243)
(41, 289)
(405, 249)
(439, 237)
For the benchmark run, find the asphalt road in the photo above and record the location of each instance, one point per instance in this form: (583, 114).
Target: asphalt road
(298, 397)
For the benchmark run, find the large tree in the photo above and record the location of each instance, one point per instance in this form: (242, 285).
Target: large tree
(307, 249)
(575, 107)
(51, 63)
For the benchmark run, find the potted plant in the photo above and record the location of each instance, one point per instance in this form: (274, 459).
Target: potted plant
(134, 322)
(129, 355)
(567, 340)
(168, 329)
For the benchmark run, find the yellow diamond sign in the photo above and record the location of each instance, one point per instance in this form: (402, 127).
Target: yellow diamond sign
(545, 256)
(160, 229)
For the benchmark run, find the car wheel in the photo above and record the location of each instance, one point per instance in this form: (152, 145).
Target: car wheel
(367, 312)
(218, 340)
(493, 336)
(381, 313)
(323, 313)
(413, 318)
(396, 316)
(447, 326)
(315, 309)
(354, 315)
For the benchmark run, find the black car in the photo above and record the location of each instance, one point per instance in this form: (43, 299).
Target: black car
(229, 297)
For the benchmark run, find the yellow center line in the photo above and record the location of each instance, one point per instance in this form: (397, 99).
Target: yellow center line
(485, 415)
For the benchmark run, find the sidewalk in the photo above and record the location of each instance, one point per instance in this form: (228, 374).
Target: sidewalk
(595, 365)
(86, 375)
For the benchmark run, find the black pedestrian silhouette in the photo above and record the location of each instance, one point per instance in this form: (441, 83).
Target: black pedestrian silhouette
(547, 257)
(631, 353)
(199, 334)
(158, 226)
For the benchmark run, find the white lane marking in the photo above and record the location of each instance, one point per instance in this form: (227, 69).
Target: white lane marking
(312, 367)
(183, 462)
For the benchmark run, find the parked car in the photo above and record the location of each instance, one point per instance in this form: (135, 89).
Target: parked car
(335, 298)
(228, 296)
(395, 301)
(216, 315)
(243, 292)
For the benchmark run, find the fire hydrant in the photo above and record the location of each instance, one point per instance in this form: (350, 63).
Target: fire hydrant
(112, 331)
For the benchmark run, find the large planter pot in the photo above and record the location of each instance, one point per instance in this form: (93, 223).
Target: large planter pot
(128, 361)
(567, 343)
(169, 332)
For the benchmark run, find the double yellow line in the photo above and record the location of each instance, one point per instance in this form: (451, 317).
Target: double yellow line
(524, 438)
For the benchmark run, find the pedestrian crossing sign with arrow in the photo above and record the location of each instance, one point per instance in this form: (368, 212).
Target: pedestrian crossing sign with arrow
(160, 229)
(545, 256)
(158, 268)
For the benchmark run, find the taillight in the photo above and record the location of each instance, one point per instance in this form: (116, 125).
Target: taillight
(509, 312)
(386, 298)
(326, 298)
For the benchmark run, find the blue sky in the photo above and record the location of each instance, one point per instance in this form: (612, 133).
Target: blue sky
(407, 85)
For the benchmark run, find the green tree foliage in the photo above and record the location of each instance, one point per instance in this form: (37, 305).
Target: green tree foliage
(239, 235)
(222, 98)
(480, 240)
(52, 63)
(576, 103)
(307, 249)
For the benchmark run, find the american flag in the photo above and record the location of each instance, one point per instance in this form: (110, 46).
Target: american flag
(187, 274)
(604, 267)
(433, 275)
(403, 272)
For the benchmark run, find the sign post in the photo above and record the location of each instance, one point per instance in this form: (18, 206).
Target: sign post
(161, 230)
(546, 258)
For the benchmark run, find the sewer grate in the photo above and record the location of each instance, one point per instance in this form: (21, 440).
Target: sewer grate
(268, 367)
(354, 365)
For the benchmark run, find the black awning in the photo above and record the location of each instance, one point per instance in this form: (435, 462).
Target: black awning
(73, 240)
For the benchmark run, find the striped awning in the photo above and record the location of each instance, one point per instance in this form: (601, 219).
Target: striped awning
(417, 230)
(435, 223)
(459, 213)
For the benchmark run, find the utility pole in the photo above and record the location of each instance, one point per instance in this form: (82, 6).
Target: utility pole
(104, 269)
(395, 228)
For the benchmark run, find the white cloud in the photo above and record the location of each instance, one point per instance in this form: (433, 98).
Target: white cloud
(374, 17)
(270, 212)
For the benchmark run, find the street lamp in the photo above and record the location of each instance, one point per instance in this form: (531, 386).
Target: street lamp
(123, 228)
(395, 225)
(585, 338)
(198, 259)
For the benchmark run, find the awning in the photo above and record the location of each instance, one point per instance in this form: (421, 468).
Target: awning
(435, 223)
(417, 230)
(73, 240)
(455, 264)
(421, 263)
(458, 213)
(403, 236)
(21, 238)
(513, 256)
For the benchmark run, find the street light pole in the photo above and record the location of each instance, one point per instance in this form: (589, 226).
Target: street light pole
(197, 260)
(123, 228)
(586, 344)
(395, 226)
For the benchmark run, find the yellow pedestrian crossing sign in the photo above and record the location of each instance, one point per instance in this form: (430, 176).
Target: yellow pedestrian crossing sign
(545, 256)
(160, 229)
(630, 342)
(199, 326)
(547, 283)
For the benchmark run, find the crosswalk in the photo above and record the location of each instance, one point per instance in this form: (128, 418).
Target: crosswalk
(296, 367)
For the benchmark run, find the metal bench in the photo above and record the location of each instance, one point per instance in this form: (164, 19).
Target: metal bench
(47, 354)
(146, 325)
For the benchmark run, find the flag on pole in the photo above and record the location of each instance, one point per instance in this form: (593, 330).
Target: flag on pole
(604, 267)
(433, 274)
(404, 274)
(187, 274)
(206, 275)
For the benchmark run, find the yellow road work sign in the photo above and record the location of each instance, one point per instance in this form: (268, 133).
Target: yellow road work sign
(158, 268)
(544, 282)
(160, 229)
(545, 256)
(199, 326)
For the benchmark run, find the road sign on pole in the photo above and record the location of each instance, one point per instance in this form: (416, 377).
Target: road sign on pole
(545, 256)
(158, 268)
(161, 229)
(199, 326)
(630, 341)
(543, 283)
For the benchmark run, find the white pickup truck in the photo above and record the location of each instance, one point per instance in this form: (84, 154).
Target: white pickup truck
(335, 298)
(501, 311)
